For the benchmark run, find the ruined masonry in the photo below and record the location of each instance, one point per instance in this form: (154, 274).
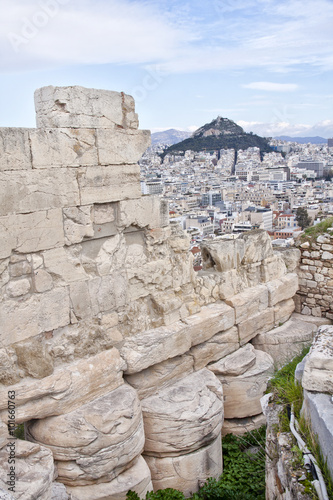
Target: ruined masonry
(126, 364)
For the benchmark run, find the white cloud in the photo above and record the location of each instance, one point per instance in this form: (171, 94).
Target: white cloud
(272, 129)
(271, 87)
(277, 36)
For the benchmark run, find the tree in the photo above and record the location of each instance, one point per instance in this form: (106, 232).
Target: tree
(302, 217)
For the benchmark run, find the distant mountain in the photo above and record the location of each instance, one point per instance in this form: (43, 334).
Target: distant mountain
(221, 133)
(303, 140)
(171, 136)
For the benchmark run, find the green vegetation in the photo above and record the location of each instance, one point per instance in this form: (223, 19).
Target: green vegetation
(302, 217)
(321, 228)
(19, 432)
(287, 392)
(212, 143)
(243, 476)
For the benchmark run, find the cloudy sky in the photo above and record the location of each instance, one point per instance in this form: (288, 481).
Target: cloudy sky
(266, 64)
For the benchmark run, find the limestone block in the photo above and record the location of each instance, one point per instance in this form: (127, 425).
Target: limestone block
(97, 441)
(282, 289)
(63, 147)
(161, 375)
(185, 472)
(318, 370)
(34, 358)
(237, 363)
(67, 388)
(18, 287)
(33, 315)
(112, 255)
(291, 257)
(231, 283)
(63, 266)
(239, 426)
(9, 372)
(249, 302)
(210, 320)
(153, 346)
(323, 238)
(111, 183)
(59, 492)
(137, 478)
(42, 281)
(78, 224)
(80, 107)
(272, 268)
(222, 254)
(117, 147)
(259, 323)
(217, 347)
(286, 341)
(80, 299)
(317, 409)
(258, 246)
(32, 232)
(282, 311)
(148, 211)
(15, 151)
(327, 256)
(29, 191)
(178, 240)
(312, 319)
(242, 392)
(184, 416)
(34, 470)
(108, 292)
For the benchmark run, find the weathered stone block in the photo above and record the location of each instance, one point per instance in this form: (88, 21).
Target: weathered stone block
(67, 388)
(154, 346)
(239, 426)
(98, 441)
(106, 184)
(215, 348)
(282, 289)
(63, 147)
(258, 246)
(242, 392)
(183, 417)
(283, 310)
(222, 254)
(79, 107)
(148, 211)
(291, 257)
(161, 375)
(287, 341)
(15, 151)
(78, 224)
(33, 315)
(31, 232)
(210, 320)
(259, 323)
(318, 370)
(63, 266)
(137, 478)
(272, 268)
(34, 470)
(249, 302)
(317, 409)
(118, 147)
(186, 471)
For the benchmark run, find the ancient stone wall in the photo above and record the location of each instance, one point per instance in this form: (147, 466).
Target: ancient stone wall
(124, 364)
(315, 295)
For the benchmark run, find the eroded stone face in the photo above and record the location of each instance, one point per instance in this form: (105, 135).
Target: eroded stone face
(318, 370)
(34, 470)
(96, 441)
(184, 416)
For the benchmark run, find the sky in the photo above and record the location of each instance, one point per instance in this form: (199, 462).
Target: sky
(266, 64)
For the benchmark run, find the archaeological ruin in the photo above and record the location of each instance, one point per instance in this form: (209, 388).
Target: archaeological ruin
(124, 364)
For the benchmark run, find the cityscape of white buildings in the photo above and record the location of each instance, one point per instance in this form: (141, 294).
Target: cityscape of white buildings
(214, 193)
